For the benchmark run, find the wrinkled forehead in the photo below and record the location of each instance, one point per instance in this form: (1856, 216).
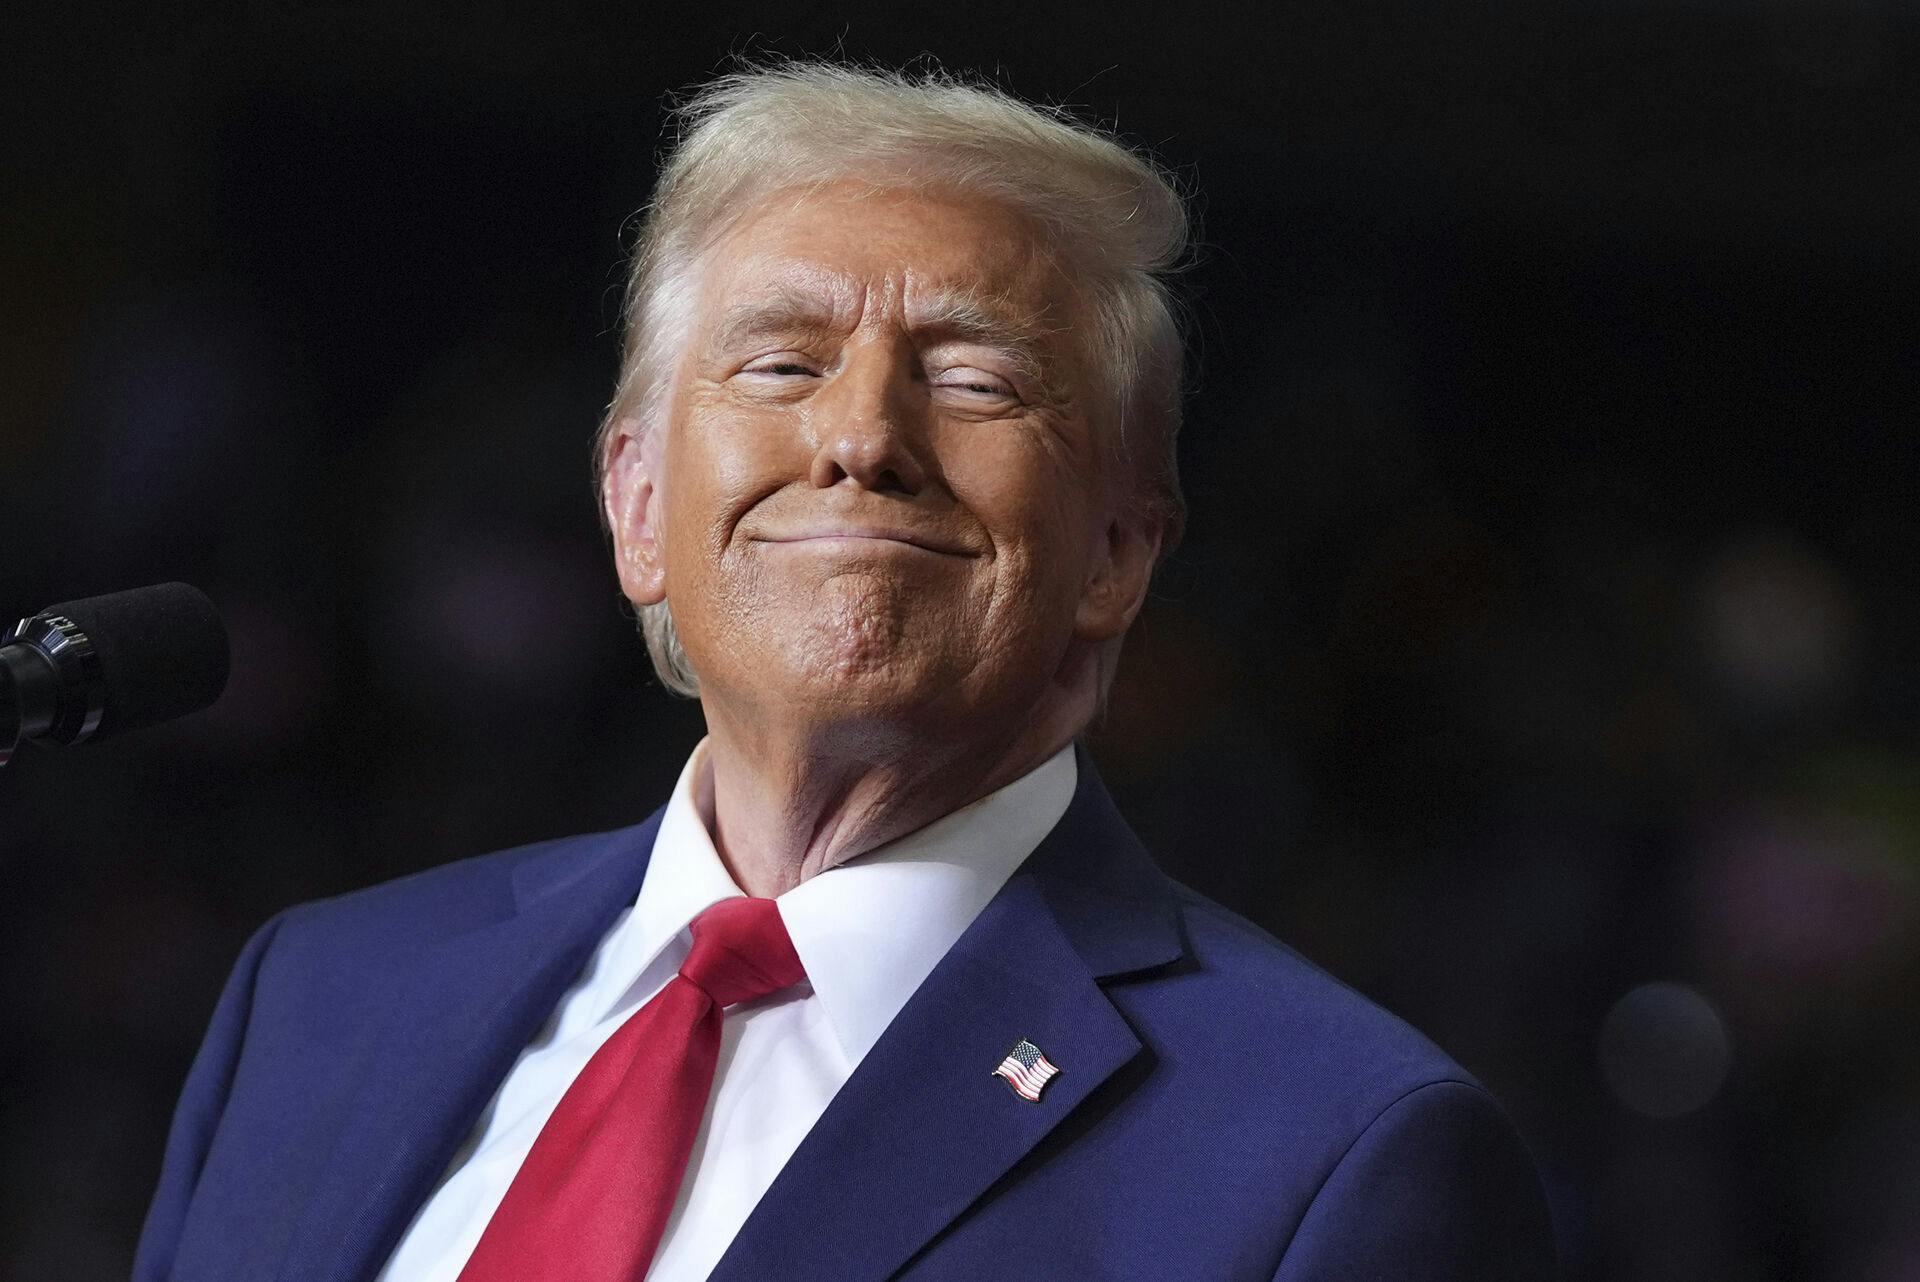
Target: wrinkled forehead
(847, 253)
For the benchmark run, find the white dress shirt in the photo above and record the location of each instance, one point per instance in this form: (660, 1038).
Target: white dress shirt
(868, 932)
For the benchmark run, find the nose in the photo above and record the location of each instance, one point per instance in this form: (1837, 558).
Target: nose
(867, 424)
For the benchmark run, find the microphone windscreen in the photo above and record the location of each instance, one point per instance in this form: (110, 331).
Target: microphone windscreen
(163, 652)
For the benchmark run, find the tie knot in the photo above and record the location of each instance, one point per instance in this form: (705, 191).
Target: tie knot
(741, 951)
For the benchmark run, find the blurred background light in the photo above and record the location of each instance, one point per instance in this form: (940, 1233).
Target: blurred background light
(1664, 1050)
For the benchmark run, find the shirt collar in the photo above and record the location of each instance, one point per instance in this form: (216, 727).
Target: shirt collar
(868, 931)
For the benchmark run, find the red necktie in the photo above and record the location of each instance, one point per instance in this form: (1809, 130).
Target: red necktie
(592, 1198)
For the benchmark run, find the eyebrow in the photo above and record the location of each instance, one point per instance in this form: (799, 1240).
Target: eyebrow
(988, 321)
(780, 312)
(784, 311)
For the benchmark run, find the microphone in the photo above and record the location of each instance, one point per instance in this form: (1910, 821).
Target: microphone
(87, 669)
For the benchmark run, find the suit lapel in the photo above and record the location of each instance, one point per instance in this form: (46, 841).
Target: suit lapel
(469, 1005)
(923, 1128)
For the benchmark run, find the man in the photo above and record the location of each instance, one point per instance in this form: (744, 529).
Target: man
(887, 988)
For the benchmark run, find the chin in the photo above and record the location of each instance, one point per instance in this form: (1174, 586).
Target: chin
(861, 675)
(857, 647)
(863, 637)
(868, 675)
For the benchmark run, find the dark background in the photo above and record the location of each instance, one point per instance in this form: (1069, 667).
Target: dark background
(1541, 660)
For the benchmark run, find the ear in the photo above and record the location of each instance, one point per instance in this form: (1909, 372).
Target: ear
(631, 495)
(1117, 581)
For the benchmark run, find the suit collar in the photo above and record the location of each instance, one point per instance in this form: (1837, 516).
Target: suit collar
(1114, 904)
(923, 1130)
(448, 1040)
(1106, 894)
(871, 930)
(868, 931)
(585, 871)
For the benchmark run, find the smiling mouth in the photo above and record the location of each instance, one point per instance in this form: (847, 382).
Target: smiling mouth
(845, 540)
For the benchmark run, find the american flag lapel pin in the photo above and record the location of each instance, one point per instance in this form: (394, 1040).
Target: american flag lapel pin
(1027, 1070)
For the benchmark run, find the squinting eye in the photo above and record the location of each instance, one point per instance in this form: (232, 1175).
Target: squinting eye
(958, 380)
(782, 368)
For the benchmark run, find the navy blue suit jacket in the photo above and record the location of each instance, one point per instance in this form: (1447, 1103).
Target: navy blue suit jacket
(1224, 1110)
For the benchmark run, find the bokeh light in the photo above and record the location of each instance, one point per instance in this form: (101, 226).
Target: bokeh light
(1664, 1050)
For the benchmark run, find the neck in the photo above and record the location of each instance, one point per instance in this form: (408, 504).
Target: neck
(793, 799)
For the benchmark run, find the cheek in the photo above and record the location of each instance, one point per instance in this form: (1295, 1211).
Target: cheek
(718, 464)
(1023, 485)
(1036, 508)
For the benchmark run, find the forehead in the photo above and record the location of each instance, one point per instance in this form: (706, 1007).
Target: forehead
(858, 250)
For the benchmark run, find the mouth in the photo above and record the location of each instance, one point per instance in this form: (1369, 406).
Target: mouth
(859, 538)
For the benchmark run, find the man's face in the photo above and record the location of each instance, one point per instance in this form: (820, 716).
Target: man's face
(879, 491)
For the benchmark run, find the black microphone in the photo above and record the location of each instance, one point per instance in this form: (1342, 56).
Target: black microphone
(87, 669)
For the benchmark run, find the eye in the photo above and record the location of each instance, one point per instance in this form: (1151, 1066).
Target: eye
(973, 384)
(780, 365)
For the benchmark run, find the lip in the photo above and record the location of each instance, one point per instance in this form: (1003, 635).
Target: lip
(827, 537)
